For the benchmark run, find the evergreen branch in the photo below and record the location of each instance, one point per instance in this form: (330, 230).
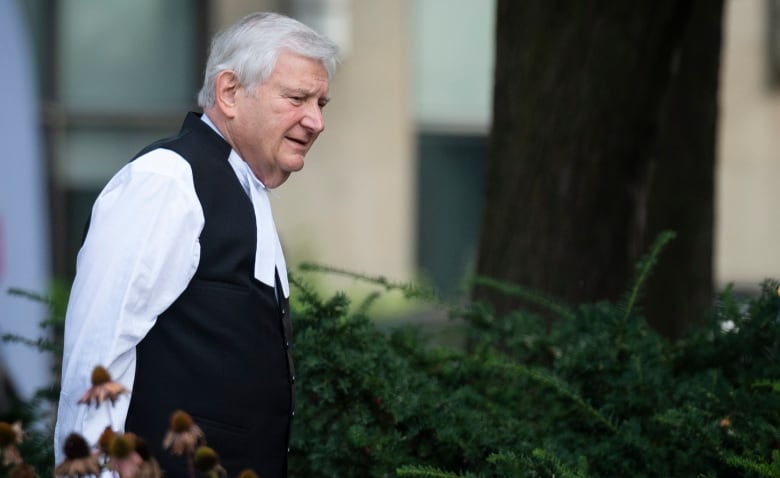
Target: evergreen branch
(643, 269)
(308, 295)
(557, 465)
(773, 384)
(562, 390)
(27, 294)
(425, 471)
(366, 303)
(56, 318)
(409, 290)
(526, 294)
(42, 344)
(688, 419)
(509, 459)
(771, 470)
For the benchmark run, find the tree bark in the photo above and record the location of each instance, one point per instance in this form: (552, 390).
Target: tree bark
(603, 135)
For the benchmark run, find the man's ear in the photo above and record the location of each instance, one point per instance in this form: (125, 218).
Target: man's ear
(227, 86)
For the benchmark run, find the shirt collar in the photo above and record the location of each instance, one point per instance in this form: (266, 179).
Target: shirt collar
(239, 165)
(205, 118)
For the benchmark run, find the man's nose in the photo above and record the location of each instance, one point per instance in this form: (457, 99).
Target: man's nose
(313, 119)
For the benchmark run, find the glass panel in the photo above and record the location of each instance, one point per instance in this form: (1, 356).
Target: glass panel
(90, 156)
(450, 178)
(35, 15)
(129, 56)
(453, 62)
(332, 18)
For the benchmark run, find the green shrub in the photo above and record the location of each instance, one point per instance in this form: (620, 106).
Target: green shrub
(37, 414)
(599, 395)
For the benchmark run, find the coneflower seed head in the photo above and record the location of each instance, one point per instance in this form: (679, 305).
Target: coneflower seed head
(75, 447)
(104, 442)
(22, 470)
(123, 445)
(181, 421)
(7, 434)
(206, 459)
(100, 376)
(142, 448)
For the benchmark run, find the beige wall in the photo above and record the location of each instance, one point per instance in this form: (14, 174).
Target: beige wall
(352, 205)
(225, 12)
(748, 221)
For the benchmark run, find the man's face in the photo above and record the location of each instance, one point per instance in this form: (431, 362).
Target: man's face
(275, 125)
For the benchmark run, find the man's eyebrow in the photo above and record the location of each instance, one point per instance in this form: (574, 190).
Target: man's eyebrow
(303, 92)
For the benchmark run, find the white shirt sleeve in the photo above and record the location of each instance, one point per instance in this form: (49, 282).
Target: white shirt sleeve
(140, 253)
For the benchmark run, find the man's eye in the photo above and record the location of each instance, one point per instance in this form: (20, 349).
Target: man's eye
(296, 99)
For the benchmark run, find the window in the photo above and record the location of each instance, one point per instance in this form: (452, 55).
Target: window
(115, 76)
(450, 191)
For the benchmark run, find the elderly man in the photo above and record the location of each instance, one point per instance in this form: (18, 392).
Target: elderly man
(181, 287)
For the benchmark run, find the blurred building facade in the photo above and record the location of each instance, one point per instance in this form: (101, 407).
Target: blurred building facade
(749, 145)
(394, 185)
(415, 80)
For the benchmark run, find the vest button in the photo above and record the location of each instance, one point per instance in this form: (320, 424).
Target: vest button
(293, 379)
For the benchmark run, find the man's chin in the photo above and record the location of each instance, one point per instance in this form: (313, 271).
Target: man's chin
(294, 163)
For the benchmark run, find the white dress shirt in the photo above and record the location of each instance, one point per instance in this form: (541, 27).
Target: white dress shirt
(141, 252)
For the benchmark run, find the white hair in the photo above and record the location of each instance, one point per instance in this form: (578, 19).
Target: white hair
(251, 46)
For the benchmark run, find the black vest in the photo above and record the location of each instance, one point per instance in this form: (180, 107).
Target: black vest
(221, 351)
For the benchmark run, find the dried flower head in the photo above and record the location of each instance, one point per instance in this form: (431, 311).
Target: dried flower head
(122, 456)
(10, 436)
(126, 467)
(143, 450)
(75, 447)
(247, 474)
(103, 388)
(78, 459)
(122, 446)
(22, 470)
(130, 457)
(207, 461)
(100, 376)
(725, 422)
(181, 421)
(149, 468)
(206, 458)
(183, 435)
(105, 439)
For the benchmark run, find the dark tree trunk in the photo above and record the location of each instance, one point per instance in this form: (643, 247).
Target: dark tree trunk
(603, 136)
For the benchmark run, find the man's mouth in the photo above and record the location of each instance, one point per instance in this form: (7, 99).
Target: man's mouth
(298, 141)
